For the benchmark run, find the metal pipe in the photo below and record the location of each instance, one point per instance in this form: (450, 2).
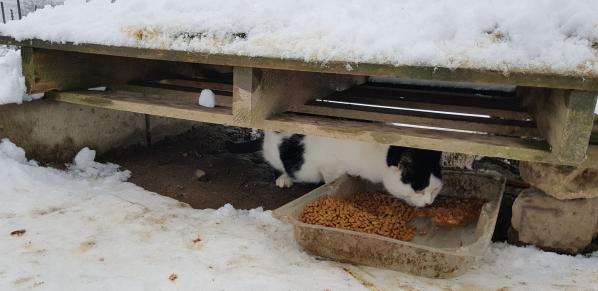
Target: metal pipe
(2, 8)
(19, 9)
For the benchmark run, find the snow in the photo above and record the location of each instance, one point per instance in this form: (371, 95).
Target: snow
(86, 231)
(12, 82)
(507, 35)
(207, 98)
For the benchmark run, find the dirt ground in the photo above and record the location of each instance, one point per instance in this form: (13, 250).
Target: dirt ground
(169, 168)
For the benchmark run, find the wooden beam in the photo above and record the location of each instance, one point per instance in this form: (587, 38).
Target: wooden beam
(565, 118)
(177, 96)
(476, 144)
(147, 104)
(423, 102)
(487, 125)
(47, 70)
(259, 94)
(515, 77)
(473, 144)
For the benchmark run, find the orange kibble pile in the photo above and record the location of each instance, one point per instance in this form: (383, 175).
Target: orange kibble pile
(377, 213)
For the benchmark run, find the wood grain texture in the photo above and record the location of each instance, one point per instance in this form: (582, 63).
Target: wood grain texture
(46, 70)
(147, 104)
(565, 118)
(486, 125)
(258, 94)
(518, 78)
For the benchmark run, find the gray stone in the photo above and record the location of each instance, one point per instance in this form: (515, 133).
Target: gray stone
(564, 225)
(561, 182)
(199, 173)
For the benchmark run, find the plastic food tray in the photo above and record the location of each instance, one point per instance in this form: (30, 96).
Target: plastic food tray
(438, 252)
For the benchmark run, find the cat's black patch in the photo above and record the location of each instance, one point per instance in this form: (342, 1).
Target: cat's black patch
(416, 165)
(292, 150)
(393, 157)
(245, 147)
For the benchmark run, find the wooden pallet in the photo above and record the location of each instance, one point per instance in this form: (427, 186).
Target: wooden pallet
(550, 121)
(511, 137)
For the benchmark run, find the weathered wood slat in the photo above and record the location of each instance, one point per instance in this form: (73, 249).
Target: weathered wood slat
(505, 91)
(445, 98)
(518, 78)
(427, 104)
(198, 84)
(177, 96)
(492, 146)
(565, 118)
(47, 70)
(466, 123)
(146, 104)
(258, 94)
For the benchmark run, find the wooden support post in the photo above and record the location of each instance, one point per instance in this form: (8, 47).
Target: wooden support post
(259, 94)
(47, 70)
(565, 118)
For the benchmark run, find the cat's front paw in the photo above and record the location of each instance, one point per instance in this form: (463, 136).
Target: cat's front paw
(284, 181)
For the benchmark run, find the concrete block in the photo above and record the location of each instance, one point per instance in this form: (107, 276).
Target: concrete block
(561, 182)
(162, 127)
(53, 131)
(565, 225)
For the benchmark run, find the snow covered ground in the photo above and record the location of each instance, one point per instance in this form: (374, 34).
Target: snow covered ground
(508, 35)
(86, 229)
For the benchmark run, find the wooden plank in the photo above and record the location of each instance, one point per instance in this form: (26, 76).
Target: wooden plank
(199, 84)
(158, 86)
(498, 91)
(426, 104)
(492, 146)
(515, 77)
(190, 98)
(47, 70)
(486, 125)
(146, 104)
(258, 94)
(565, 118)
(446, 98)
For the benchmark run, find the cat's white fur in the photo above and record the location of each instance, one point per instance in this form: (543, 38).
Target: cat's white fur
(326, 159)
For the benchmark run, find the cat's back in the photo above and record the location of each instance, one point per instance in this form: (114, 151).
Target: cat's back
(353, 157)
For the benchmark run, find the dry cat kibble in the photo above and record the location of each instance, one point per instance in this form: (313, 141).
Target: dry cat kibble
(377, 213)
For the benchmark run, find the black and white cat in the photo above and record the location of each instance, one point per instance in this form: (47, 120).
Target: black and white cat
(412, 175)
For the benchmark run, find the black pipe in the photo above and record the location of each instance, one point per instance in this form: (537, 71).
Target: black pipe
(3, 16)
(19, 9)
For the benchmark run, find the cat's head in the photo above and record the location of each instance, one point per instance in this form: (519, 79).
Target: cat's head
(413, 175)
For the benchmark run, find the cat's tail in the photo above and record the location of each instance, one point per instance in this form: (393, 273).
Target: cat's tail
(245, 147)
